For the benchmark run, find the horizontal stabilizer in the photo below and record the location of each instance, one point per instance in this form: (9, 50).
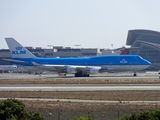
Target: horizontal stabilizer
(11, 60)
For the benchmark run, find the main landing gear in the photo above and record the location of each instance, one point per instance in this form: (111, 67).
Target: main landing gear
(81, 74)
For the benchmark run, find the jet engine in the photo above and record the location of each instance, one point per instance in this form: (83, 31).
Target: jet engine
(93, 71)
(71, 70)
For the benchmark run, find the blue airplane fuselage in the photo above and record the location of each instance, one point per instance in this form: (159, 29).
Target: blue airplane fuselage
(90, 61)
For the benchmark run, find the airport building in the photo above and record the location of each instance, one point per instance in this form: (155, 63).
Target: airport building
(145, 43)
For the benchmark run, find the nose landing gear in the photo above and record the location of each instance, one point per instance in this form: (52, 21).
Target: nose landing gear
(135, 74)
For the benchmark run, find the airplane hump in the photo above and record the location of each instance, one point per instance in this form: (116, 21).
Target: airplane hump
(17, 50)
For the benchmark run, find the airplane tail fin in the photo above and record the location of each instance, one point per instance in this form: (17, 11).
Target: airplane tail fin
(17, 50)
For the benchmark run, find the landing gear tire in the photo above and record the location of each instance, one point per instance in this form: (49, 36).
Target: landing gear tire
(76, 75)
(134, 74)
(80, 74)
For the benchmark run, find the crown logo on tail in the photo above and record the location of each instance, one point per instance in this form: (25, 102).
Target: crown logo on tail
(18, 48)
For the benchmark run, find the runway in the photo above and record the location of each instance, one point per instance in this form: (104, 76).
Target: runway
(79, 87)
(75, 87)
(146, 76)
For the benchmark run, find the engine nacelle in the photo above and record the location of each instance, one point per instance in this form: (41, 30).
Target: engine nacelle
(94, 71)
(71, 70)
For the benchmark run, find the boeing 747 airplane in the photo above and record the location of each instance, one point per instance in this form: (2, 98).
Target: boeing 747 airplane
(80, 67)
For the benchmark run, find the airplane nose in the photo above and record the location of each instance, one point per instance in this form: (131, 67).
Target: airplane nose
(146, 62)
(149, 63)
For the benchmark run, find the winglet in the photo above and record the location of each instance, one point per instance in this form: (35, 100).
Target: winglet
(17, 50)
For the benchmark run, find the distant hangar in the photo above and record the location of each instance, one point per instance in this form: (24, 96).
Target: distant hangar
(145, 43)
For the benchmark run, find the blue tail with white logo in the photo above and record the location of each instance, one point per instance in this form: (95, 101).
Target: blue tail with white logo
(17, 50)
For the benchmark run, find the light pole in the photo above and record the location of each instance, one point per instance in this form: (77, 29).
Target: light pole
(112, 49)
(52, 48)
(77, 45)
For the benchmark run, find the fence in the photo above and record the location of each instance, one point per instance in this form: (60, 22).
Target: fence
(114, 113)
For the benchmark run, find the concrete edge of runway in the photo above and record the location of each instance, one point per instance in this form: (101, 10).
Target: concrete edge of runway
(87, 101)
(92, 88)
(122, 75)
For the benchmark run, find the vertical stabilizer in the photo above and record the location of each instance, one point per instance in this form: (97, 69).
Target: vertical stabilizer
(17, 50)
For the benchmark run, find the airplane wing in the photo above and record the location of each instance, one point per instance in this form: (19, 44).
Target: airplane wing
(67, 68)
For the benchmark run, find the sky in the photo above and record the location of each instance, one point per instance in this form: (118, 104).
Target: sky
(88, 23)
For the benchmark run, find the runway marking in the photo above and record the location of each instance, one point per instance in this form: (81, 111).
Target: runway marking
(88, 101)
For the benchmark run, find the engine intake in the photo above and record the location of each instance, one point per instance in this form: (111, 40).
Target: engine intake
(71, 70)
